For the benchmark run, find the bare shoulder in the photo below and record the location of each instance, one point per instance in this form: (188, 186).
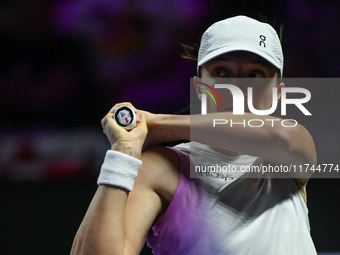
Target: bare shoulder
(160, 170)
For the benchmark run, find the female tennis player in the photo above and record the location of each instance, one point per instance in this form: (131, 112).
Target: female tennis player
(197, 197)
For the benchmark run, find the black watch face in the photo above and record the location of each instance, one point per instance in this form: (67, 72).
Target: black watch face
(124, 116)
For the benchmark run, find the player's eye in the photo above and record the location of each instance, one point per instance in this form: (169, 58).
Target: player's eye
(220, 73)
(255, 74)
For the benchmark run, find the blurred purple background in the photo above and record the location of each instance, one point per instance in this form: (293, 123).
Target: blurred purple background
(64, 64)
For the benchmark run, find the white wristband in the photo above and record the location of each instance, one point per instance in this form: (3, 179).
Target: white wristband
(119, 170)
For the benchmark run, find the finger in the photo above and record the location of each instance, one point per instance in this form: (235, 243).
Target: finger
(106, 118)
(141, 125)
(138, 116)
(103, 121)
(112, 129)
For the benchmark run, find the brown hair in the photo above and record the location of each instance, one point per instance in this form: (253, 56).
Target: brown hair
(191, 52)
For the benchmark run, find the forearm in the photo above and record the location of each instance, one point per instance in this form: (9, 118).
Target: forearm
(268, 141)
(200, 128)
(106, 228)
(232, 132)
(102, 230)
(168, 128)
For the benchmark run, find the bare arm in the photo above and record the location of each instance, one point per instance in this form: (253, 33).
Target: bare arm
(117, 221)
(278, 144)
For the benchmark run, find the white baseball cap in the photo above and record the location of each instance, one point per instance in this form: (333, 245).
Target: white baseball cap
(241, 33)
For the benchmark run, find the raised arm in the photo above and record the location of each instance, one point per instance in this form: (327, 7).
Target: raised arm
(272, 141)
(117, 220)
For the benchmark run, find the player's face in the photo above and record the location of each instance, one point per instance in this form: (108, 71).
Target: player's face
(241, 64)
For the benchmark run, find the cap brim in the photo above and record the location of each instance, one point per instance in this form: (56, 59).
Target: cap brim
(228, 49)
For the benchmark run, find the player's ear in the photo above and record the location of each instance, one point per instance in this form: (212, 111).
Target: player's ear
(196, 81)
(279, 87)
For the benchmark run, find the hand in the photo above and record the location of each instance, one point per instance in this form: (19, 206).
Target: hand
(152, 137)
(128, 142)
